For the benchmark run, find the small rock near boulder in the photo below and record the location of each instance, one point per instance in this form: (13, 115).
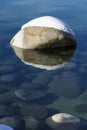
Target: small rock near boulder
(62, 120)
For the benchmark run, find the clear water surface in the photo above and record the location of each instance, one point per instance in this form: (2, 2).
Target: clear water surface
(60, 90)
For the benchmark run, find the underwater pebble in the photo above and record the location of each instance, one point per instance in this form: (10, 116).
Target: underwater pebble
(81, 108)
(30, 76)
(4, 88)
(6, 111)
(29, 95)
(42, 78)
(31, 123)
(6, 69)
(8, 77)
(7, 98)
(27, 85)
(66, 84)
(37, 111)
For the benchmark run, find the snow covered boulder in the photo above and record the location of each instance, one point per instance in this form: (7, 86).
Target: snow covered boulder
(44, 32)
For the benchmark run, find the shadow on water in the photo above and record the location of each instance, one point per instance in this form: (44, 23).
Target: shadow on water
(49, 59)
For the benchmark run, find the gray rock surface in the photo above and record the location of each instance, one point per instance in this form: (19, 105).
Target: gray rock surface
(42, 37)
(8, 77)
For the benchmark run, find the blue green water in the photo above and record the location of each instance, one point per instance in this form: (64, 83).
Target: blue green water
(63, 89)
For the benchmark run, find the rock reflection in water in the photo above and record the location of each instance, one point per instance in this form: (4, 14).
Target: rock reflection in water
(49, 59)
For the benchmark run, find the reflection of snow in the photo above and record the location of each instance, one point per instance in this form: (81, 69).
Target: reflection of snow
(47, 67)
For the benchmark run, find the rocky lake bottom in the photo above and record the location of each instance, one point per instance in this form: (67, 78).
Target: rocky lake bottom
(29, 95)
(27, 92)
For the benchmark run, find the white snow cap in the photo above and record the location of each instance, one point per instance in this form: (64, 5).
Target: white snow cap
(5, 127)
(49, 21)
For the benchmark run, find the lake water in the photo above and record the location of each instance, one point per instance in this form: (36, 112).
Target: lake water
(30, 91)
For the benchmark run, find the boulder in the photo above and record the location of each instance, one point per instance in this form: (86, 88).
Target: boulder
(62, 121)
(44, 32)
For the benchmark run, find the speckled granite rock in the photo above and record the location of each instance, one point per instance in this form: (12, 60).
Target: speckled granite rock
(44, 32)
(42, 37)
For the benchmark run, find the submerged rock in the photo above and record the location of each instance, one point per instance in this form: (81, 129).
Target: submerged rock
(4, 88)
(6, 69)
(62, 121)
(67, 84)
(8, 78)
(81, 108)
(29, 95)
(7, 98)
(30, 86)
(6, 111)
(34, 110)
(42, 77)
(31, 123)
(44, 32)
